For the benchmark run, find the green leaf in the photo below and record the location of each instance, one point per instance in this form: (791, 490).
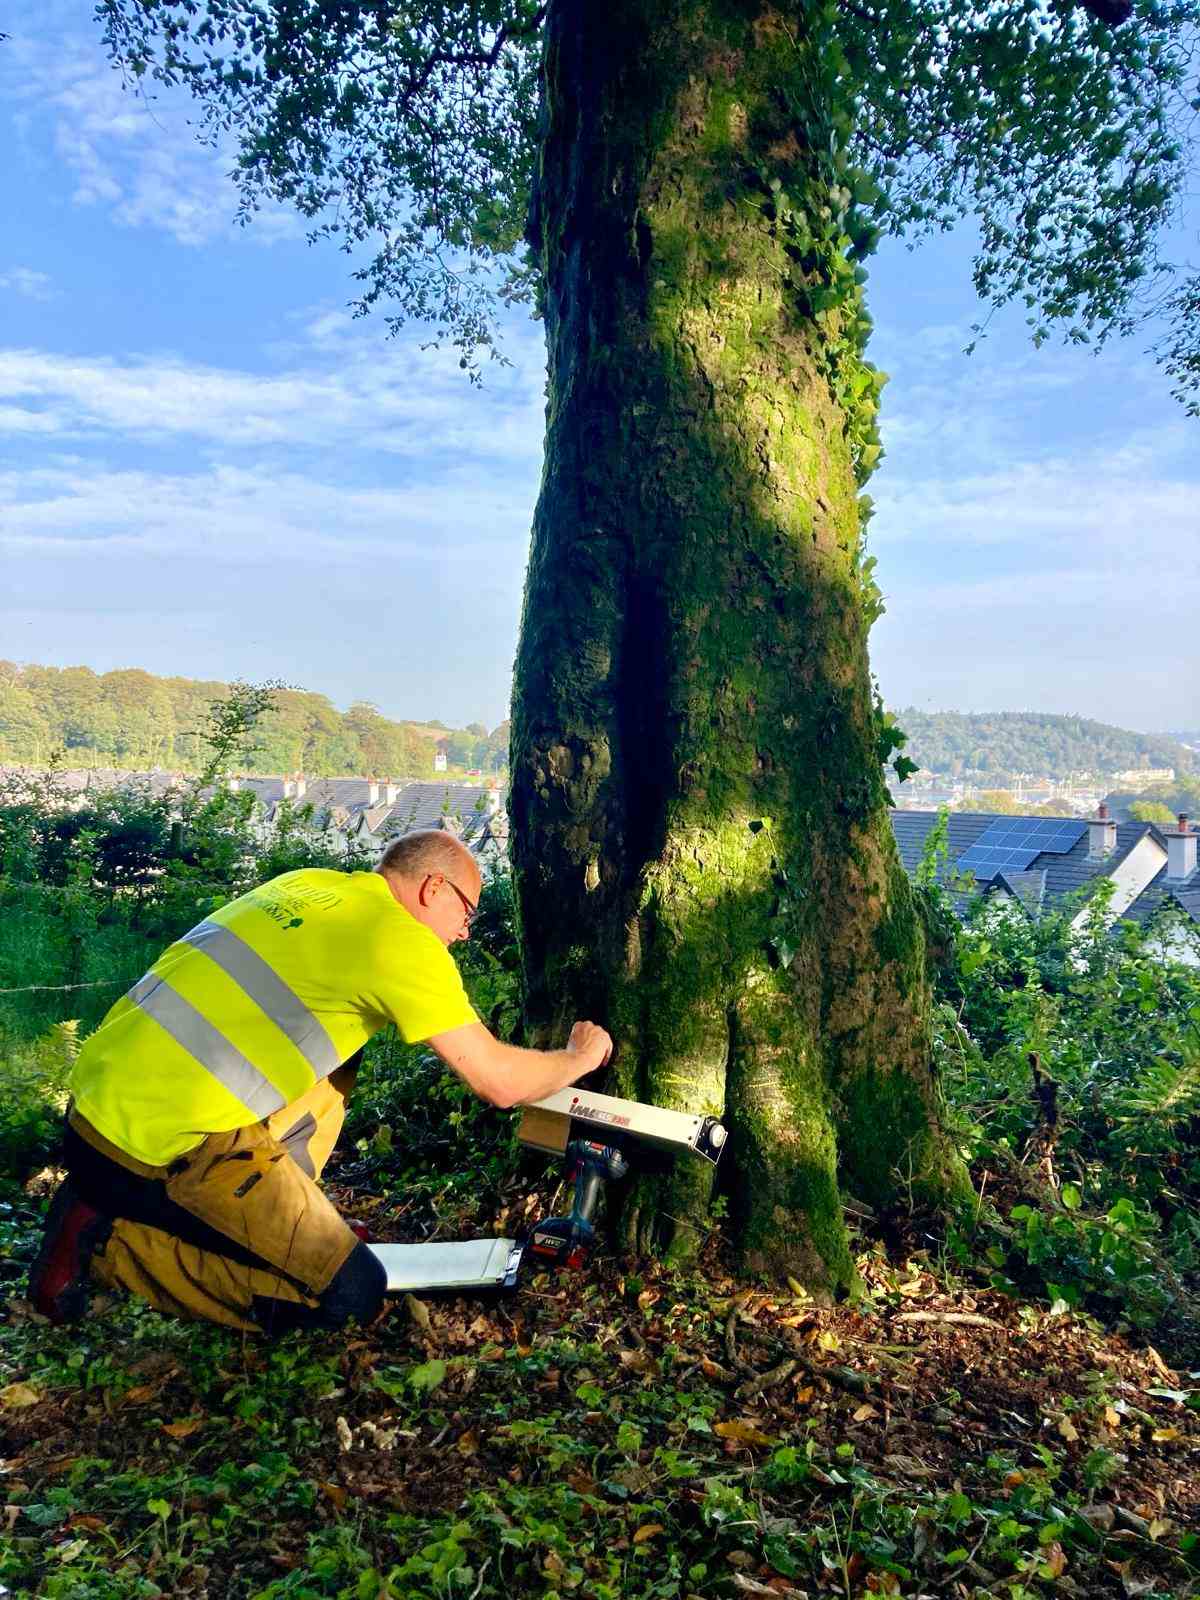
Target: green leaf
(778, 1552)
(427, 1376)
(957, 1507)
(1071, 1197)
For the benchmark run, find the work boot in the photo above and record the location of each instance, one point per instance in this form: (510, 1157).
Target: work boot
(60, 1278)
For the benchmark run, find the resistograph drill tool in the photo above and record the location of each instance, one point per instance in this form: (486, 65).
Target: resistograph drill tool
(601, 1138)
(567, 1241)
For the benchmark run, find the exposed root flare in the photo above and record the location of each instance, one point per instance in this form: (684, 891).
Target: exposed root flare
(763, 1381)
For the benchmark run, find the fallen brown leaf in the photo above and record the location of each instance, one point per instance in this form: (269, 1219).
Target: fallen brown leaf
(418, 1311)
(1054, 1559)
(742, 1433)
(15, 1396)
(138, 1395)
(647, 1531)
(184, 1428)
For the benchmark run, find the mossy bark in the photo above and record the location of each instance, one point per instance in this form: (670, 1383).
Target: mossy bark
(701, 845)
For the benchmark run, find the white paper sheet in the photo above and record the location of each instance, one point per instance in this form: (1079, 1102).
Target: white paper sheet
(459, 1264)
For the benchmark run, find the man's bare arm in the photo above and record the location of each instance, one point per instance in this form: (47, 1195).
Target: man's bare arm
(506, 1075)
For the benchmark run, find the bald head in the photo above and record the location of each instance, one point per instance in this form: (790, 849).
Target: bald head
(435, 879)
(428, 850)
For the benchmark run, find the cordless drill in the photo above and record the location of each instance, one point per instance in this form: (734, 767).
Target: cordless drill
(567, 1241)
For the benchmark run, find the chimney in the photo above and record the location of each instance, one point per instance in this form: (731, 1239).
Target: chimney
(391, 791)
(493, 800)
(301, 785)
(372, 791)
(1102, 833)
(289, 788)
(1181, 849)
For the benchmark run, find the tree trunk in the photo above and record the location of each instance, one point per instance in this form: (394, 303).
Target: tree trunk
(701, 844)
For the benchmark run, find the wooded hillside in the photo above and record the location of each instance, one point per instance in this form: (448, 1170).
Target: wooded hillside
(1035, 742)
(133, 719)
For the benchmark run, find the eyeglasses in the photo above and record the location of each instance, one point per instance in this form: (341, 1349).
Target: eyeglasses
(470, 910)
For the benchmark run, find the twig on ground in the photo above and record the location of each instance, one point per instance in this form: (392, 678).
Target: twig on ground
(731, 1350)
(968, 1319)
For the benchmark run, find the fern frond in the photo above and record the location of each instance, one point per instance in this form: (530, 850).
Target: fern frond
(66, 1037)
(1163, 1092)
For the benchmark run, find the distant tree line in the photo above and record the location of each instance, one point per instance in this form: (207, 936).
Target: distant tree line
(1008, 742)
(135, 720)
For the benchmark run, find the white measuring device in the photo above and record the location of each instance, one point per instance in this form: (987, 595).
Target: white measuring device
(472, 1266)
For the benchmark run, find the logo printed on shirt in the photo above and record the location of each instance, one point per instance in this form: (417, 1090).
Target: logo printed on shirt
(284, 906)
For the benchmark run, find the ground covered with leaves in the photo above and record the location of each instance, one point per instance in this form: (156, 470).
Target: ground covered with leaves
(1011, 1407)
(612, 1433)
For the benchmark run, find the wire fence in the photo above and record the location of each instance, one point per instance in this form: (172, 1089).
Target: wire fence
(59, 988)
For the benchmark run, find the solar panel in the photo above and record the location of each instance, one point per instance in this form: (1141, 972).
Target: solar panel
(1010, 844)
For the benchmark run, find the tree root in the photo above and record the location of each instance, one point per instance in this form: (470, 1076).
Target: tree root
(845, 1377)
(761, 1381)
(967, 1319)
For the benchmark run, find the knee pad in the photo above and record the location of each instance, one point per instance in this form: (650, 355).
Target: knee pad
(357, 1289)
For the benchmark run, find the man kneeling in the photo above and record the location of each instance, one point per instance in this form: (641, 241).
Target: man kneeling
(208, 1101)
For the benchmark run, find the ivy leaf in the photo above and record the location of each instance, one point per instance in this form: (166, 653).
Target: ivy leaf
(427, 1376)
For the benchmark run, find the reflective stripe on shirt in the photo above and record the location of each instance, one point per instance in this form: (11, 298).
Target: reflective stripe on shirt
(268, 991)
(211, 1049)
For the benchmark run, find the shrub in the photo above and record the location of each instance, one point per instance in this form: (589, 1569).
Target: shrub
(1070, 1056)
(35, 1096)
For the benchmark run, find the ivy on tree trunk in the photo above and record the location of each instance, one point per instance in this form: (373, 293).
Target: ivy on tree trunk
(701, 843)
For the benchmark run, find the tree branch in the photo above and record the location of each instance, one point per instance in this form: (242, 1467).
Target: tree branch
(1114, 12)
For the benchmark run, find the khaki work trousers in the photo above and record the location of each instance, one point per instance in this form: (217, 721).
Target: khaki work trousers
(256, 1187)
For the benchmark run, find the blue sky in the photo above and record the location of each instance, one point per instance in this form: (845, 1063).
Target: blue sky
(207, 468)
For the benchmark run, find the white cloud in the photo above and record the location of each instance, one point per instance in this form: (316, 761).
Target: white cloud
(1092, 504)
(27, 283)
(364, 398)
(238, 517)
(131, 150)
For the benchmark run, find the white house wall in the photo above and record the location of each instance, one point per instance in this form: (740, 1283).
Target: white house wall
(1130, 877)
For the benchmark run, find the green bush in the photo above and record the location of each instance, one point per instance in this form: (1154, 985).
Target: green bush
(34, 1099)
(1069, 1051)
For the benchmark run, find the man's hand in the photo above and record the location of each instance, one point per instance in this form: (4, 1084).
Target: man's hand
(506, 1075)
(592, 1044)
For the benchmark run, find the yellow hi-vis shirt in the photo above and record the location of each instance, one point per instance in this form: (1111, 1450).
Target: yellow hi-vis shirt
(242, 1015)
